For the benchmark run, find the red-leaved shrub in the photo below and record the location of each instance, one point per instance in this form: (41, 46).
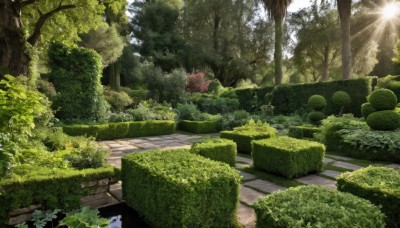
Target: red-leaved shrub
(197, 83)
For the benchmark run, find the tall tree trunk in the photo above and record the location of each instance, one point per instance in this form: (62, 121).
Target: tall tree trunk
(13, 59)
(278, 50)
(115, 75)
(344, 8)
(325, 66)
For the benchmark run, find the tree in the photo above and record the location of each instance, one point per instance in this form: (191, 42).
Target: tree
(31, 23)
(277, 10)
(344, 9)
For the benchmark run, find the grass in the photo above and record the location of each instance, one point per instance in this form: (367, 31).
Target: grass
(270, 177)
(354, 161)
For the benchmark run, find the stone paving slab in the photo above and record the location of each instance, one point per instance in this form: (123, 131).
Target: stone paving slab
(264, 186)
(331, 173)
(249, 196)
(247, 216)
(395, 166)
(346, 165)
(328, 160)
(340, 158)
(317, 180)
(247, 176)
(241, 165)
(244, 160)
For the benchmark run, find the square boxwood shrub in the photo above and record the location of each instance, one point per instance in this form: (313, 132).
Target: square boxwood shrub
(243, 135)
(300, 132)
(379, 185)
(287, 156)
(218, 149)
(122, 130)
(316, 206)
(199, 127)
(178, 189)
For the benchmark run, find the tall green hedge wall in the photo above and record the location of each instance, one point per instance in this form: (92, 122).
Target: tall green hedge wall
(291, 97)
(76, 73)
(249, 99)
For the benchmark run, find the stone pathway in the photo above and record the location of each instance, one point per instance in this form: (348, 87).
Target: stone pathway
(252, 187)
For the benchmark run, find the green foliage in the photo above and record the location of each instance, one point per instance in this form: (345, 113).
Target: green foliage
(41, 218)
(367, 109)
(215, 87)
(216, 104)
(151, 110)
(316, 117)
(199, 127)
(187, 111)
(85, 218)
(53, 188)
(388, 120)
(392, 83)
(289, 98)
(243, 135)
(234, 119)
(317, 102)
(122, 130)
(304, 131)
(287, 156)
(251, 99)
(218, 149)
(383, 99)
(296, 207)
(88, 157)
(179, 189)
(379, 185)
(47, 88)
(341, 99)
(76, 73)
(136, 95)
(118, 100)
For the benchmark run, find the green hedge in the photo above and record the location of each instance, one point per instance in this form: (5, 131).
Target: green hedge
(379, 185)
(179, 189)
(243, 139)
(53, 188)
(199, 127)
(287, 156)
(316, 206)
(218, 149)
(252, 98)
(392, 83)
(122, 130)
(300, 132)
(289, 98)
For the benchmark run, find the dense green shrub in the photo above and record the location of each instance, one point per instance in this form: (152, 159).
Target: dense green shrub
(76, 73)
(341, 99)
(118, 100)
(305, 131)
(180, 189)
(234, 119)
(287, 156)
(218, 105)
(137, 95)
(392, 83)
(218, 149)
(251, 99)
(384, 120)
(122, 130)
(316, 117)
(199, 127)
(317, 102)
(316, 206)
(289, 98)
(187, 111)
(367, 109)
(383, 99)
(243, 135)
(47, 88)
(52, 188)
(88, 157)
(379, 185)
(151, 110)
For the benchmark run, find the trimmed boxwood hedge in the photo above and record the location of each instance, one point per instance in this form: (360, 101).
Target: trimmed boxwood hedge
(287, 156)
(300, 132)
(122, 130)
(379, 185)
(198, 127)
(52, 188)
(178, 189)
(289, 98)
(316, 206)
(218, 149)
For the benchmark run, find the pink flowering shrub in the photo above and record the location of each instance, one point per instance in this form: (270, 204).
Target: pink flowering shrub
(197, 83)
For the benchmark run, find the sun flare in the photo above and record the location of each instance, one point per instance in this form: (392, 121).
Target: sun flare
(390, 11)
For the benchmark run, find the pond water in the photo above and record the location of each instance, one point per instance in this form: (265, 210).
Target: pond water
(122, 216)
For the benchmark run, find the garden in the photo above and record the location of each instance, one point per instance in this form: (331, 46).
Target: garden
(199, 113)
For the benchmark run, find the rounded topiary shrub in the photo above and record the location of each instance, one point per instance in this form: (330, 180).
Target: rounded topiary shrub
(367, 109)
(341, 98)
(384, 120)
(316, 117)
(383, 99)
(317, 102)
(316, 206)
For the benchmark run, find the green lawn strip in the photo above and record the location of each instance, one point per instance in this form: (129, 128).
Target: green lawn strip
(270, 177)
(327, 177)
(330, 166)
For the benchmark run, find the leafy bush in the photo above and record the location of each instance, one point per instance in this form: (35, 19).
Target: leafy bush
(286, 121)
(76, 73)
(187, 111)
(151, 110)
(251, 99)
(296, 207)
(388, 120)
(317, 102)
(300, 132)
(47, 88)
(137, 96)
(119, 117)
(191, 191)
(91, 156)
(85, 218)
(218, 105)
(367, 109)
(383, 99)
(235, 119)
(218, 149)
(215, 87)
(118, 100)
(243, 135)
(341, 98)
(379, 185)
(197, 83)
(199, 127)
(287, 156)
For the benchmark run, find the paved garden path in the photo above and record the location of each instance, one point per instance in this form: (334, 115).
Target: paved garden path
(253, 187)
